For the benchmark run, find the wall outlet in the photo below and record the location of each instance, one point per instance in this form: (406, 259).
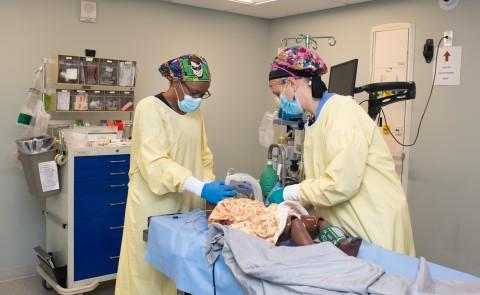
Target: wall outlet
(448, 40)
(398, 130)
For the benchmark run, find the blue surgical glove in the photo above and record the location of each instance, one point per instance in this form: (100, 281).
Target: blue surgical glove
(216, 191)
(276, 197)
(244, 188)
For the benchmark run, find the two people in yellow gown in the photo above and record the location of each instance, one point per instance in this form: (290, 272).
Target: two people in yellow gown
(350, 177)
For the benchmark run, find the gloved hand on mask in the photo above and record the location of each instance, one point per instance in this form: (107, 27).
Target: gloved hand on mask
(216, 191)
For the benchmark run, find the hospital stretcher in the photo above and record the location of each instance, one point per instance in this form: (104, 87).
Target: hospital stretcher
(176, 246)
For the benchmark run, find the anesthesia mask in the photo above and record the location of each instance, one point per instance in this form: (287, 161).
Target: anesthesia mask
(243, 180)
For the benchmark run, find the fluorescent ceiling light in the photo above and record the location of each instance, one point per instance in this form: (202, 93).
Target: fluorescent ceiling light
(252, 2)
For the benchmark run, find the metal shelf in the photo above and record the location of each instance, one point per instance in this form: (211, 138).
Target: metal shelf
(89, 112)
(72, 87)
(69, 86)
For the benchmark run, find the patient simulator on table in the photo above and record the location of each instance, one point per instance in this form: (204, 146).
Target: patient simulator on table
(200, 259)
(246, 247)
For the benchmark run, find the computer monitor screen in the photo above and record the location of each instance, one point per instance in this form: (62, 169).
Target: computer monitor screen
(342, 78)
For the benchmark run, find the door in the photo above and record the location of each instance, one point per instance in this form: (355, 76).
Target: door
(392, 60)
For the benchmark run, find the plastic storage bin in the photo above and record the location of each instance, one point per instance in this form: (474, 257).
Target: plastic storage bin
(63, 100)
(68, 69)
(126, 101)
(89, 71)
(79, 101)
(96, 100)
(112, 101)
(74, 138)
(126, 73)
(108, 72)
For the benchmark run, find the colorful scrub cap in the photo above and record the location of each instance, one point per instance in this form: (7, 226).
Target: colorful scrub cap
(297, 61)
(187, 68)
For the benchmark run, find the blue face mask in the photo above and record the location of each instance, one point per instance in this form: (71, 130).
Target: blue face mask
(188, 104)
(290, 107)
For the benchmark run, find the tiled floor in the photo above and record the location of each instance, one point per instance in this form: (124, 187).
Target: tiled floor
(33, 286)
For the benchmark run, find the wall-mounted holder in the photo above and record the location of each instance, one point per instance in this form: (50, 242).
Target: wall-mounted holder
(428, 50)
(87, 84)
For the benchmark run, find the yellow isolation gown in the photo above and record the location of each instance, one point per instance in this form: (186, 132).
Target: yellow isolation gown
(167, 148)
(351, 179)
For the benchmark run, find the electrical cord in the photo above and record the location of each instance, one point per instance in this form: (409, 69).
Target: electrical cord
(426, 106)
(403, 140)
(365, 100)
(213, 278)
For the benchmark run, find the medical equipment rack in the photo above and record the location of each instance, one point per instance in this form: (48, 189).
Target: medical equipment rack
(58, 86)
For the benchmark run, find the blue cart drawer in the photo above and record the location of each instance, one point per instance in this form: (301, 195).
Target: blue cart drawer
(117, 184)
(97, 246)
(100, 173)
(100, 265)
(102, 161)
(100, 204)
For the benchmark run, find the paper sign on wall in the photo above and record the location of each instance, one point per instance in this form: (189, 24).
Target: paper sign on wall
(48, 176)
(449, 66)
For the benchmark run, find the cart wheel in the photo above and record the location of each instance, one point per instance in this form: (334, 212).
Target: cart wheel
(46, 286)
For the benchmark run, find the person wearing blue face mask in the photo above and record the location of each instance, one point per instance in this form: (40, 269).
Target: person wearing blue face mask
(290, 106)
(171, 168)
(350, 176)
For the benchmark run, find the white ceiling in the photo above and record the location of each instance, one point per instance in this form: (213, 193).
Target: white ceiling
(270, 10)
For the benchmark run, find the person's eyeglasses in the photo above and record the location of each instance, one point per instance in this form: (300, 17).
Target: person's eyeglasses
(194, 94)
(278, 82)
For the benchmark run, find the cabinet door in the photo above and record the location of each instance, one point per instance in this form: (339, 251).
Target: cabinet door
(392, 61)
(97, 246)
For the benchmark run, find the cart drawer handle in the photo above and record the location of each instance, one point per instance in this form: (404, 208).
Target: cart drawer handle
(114, 257)
(117, 185)
(117, 173)
(118, 161)
(117, 204)
(116, 227)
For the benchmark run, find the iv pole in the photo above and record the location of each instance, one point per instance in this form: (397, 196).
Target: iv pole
(308, 40)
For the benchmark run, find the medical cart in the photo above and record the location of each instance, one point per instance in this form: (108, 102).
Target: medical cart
(84, 223)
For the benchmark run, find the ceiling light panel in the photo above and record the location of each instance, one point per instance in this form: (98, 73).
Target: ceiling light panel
(252, 2)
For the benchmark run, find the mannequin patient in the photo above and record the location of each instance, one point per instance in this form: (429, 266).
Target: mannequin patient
(280, 223)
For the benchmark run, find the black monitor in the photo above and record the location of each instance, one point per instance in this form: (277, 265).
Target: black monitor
(343, 77)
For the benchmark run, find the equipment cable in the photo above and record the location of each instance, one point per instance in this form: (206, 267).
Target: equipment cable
(424, 110)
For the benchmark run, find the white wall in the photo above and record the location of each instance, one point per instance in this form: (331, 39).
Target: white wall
(443, 189)
(149, 32)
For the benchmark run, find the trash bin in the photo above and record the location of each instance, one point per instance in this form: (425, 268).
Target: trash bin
(37, 156)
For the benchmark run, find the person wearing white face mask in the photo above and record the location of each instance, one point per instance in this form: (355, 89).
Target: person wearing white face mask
(171, 168)
(350, 176)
